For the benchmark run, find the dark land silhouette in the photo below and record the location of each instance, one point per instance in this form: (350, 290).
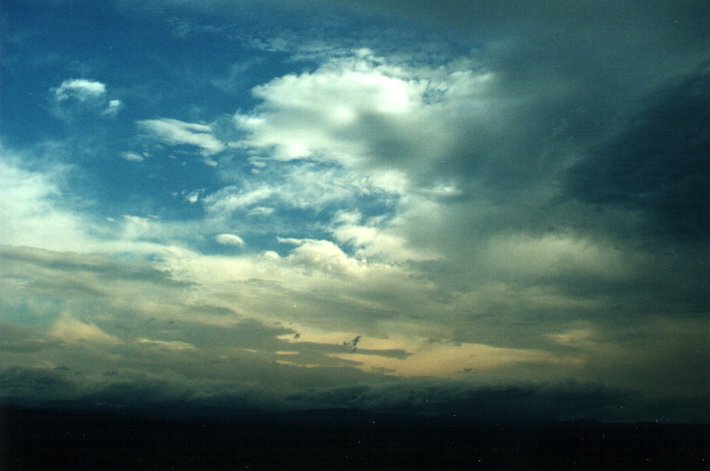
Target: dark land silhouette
(65, 437)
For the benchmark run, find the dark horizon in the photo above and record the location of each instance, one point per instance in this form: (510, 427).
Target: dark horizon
(60, 437)
(531, 403)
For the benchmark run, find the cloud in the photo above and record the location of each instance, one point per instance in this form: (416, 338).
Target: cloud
(132, 157)
(230, 199)
(17, 339)
(194, 196)
(529, 209)
(362, 111)
(36, 206)
(261, 211)
(80, 89)
(30, 383)
(297, 185)
(449, 361)
(30, 207)
(230, 239)
(548, 256)
(376, 135)
(322, 255)
(173, 345)
(149, 313)
(655, 164)
(175, 132)
(374, 239)
(113, 107)
(88, 94)
(111, 323)
(69, 329)
(135, 227)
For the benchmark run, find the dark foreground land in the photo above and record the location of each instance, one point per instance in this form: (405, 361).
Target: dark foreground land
(56, 439)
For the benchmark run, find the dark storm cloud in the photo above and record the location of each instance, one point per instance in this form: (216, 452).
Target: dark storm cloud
(659, 162)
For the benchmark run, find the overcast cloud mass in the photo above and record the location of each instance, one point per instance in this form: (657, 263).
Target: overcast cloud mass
(497, 209)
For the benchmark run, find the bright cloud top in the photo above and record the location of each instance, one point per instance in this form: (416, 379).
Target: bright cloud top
(361, 112)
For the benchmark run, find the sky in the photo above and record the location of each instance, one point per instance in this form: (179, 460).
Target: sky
(492, 209)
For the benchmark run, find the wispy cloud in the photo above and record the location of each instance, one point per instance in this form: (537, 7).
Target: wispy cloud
(175, 132)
